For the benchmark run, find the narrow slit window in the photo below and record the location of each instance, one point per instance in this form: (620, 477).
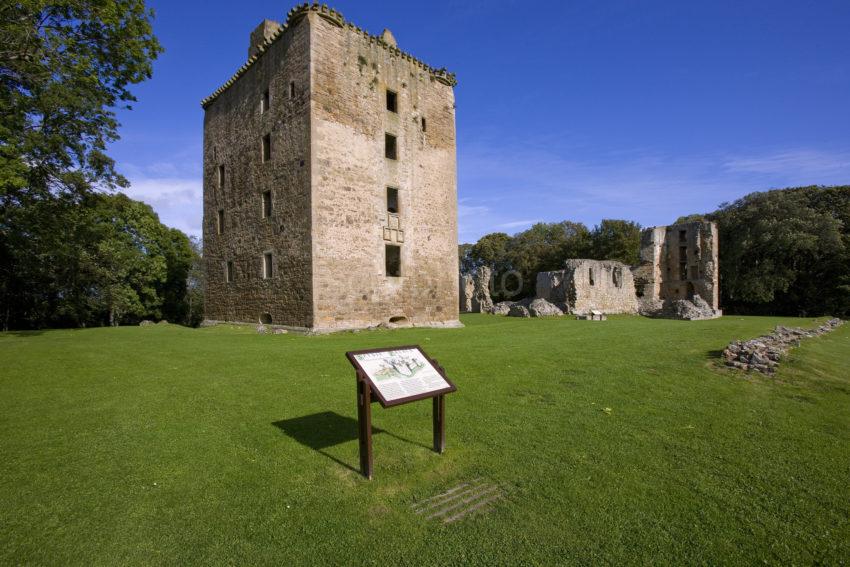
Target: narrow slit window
(267, 204)
(264, 102)
(229, 272)
(390, 146)
(424, 125)
(219, 222)
(392, 200)
(393, 261)
(267, 147)
(268, 265)
(590, 275)
(221, 176)
(291, 89)
(392, 101)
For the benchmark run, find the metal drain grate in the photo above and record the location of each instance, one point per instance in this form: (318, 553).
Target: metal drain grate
(466, 498)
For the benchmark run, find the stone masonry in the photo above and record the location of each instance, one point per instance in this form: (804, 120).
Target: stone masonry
(678, 262)
(589, 285)
(330, 186)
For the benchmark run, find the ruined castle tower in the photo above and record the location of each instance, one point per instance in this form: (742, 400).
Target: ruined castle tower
(330, 185)
(678, 262)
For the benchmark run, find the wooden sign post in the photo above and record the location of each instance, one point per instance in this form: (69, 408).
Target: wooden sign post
(396, 376)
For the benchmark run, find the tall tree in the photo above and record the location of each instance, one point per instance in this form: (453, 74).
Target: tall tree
(65, 67)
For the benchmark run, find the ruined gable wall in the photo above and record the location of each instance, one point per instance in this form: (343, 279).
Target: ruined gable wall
(350, 74)
(601, 285)
(233, 130)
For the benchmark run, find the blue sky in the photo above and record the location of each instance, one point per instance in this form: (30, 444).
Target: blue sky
(578, 110)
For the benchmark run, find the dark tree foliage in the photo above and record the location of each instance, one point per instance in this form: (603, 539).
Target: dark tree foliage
(465, 262)
(618, 240)
(69, 255)
(786, 252)
(103, 259)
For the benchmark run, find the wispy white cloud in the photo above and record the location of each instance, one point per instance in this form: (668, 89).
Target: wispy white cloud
(174, 188)
(517, 223)
(809, 163)
(177, 201)
(502, 183)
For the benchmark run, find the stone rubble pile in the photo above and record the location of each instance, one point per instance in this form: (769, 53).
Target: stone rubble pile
(696, 309)
(763, 353)
(527, 308)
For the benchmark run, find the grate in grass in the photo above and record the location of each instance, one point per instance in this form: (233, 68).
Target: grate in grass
(470, 497)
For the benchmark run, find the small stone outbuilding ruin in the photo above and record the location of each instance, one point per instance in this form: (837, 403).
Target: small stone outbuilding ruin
(584, 286)
(679, 263)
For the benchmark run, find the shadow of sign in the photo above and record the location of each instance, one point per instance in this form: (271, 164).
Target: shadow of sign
(319, 431)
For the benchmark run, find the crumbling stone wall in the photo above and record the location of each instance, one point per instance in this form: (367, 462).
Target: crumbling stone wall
(586, 285)
(764, 353)
(678, 262)
(475, 291)
(328, 174)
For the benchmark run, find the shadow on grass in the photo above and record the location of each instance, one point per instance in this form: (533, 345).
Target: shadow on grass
(714, 355)
(320, 431)
(32, 333)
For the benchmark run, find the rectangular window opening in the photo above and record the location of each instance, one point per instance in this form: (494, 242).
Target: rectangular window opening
(291, 89)
(267, 147)
(390, 146)
(590, 275)
(229, 271)
(393, 261)
(268, 266)
(392, 200)
(392, 101)
(219, 223)
(221, 176)
(424, 125)
(683, 236)
(267, 204)
(264, 102)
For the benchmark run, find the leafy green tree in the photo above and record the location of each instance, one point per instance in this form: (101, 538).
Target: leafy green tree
(786, 252)
(130, 264)
(65, 67)
(544, 247)
(195, 285)
(465, 263)
(490, 250)
(616, 240)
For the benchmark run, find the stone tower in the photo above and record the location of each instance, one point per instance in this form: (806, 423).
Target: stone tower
(330, 184)
(678, 262)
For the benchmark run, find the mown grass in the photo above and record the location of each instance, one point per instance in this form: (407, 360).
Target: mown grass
(167, 445)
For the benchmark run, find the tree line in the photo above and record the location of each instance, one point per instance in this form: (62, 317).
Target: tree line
(783, 252)
(104, 259)
(73, 251)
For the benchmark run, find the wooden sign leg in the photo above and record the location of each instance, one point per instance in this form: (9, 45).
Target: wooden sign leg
(364, 423)
(439, 424)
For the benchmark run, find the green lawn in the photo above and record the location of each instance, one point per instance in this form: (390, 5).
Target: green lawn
(167, 445)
